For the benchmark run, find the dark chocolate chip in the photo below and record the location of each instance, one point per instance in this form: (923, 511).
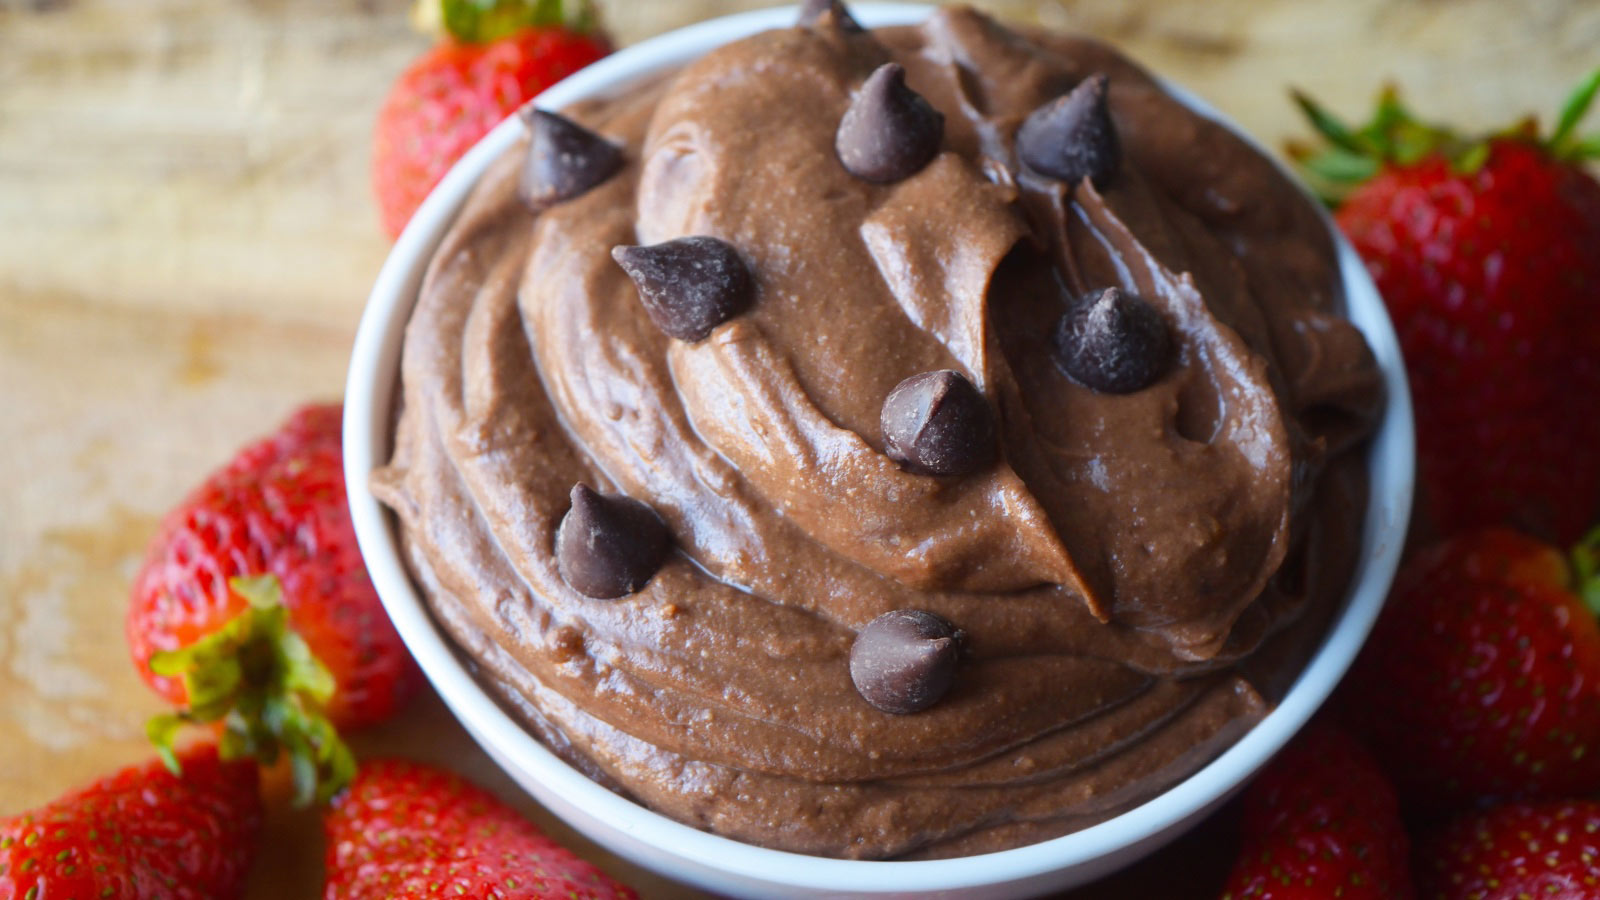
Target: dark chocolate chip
(937, 423)
(1112, 342)
(609, 545)
(564, 160)
(889, 132)
(689, 285)
(904, 661)
(1072, 137)
(813, 11)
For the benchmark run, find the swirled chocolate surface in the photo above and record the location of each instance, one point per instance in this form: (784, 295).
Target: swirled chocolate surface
(1137, 576)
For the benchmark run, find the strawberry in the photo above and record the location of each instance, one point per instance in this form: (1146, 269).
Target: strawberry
(1485, 252)
(1482, 678)
(1321, 821)
(254, 608)
(495, 57)
(406, 830)
(142, 832)
(1549, 851)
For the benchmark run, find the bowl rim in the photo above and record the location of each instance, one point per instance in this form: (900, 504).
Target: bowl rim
(371, 388)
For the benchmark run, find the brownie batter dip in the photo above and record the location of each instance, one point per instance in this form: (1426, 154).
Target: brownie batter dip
(885, 444)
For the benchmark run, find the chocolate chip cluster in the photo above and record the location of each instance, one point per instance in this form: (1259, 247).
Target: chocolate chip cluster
(937, 424)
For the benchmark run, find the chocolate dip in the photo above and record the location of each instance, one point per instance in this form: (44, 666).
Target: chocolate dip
(1134, 577)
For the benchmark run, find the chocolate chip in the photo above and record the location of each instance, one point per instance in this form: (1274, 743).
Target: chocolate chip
(1112, 342)
(937, 423)
(564, 160)
(813, 11)
(904, 661)
(689, 285)
(1072, 137)
(889, 132)
(609, 545)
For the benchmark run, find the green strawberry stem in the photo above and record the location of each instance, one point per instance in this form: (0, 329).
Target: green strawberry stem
(1572, 112)
(484, 21)
(1586, 565)
(260, 679)
(1395, 137)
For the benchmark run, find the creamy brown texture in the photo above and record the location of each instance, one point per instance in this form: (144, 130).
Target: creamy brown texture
(1138, 577)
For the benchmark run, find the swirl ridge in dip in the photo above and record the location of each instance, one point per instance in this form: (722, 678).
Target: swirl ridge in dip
(1137, 575)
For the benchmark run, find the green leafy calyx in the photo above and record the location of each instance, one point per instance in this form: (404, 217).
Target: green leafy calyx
(1586, 566)
(483, 21)
(260, 679)
(1395, 137)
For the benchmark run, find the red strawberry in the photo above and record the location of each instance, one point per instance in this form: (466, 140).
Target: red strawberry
(1482, 677)
(140, 833)
(1485, 252)
(1321, 821)
(495, 58)
(206, 628)
(1548, 851)
(406, 830)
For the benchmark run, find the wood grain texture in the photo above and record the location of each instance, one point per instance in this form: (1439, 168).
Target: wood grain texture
(187, 237)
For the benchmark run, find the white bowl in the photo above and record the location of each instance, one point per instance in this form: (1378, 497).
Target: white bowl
(730, 867)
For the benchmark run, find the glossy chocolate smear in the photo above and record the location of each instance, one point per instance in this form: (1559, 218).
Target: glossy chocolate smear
(828, 12)
(937, 423)
(609, 546)
(904, 661)
(1072, 137)
(1113, 342)
(564, 160)
(689, 285)
(889, 132)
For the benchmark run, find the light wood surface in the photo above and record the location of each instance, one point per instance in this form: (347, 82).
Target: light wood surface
(187, 237)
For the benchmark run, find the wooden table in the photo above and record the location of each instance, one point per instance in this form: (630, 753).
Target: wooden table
(187, 237)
